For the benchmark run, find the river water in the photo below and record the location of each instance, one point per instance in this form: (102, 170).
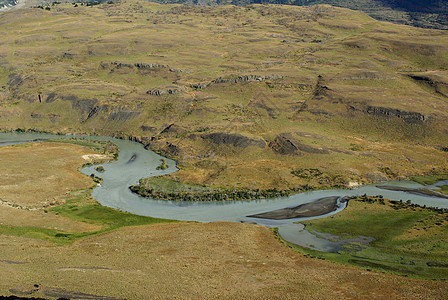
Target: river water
(120, 174)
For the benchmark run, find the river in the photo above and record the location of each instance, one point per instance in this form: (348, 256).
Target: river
(120, 174)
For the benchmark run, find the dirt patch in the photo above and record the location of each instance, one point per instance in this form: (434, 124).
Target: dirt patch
(409, 117)
(93, 157)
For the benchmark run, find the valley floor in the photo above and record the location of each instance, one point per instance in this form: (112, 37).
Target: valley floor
(60, 252)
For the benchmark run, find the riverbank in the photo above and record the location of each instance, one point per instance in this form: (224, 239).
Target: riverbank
(167, 189)
(179, 187)
(50, 199)
(406, 239)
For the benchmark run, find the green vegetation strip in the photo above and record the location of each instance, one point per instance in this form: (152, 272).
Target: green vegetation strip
(167, 189)
(410, 240)
(444, 188)
(81, 207)
(429, 179)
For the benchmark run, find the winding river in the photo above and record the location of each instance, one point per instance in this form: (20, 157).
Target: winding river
(135, 162)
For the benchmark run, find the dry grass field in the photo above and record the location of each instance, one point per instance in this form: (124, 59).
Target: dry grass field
(35, 177)
(192, 261)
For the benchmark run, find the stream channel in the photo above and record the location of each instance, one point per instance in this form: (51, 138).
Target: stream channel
(135, 162)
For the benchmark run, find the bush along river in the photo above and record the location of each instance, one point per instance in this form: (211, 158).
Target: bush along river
(135, 162)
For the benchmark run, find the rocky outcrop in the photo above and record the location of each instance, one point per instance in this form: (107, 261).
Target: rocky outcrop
(95, 111)
(201, 85)
(245, 78)
(143, 66)
(439, 85)
(409, 117)
(285, 145)
(162, 147)
(235, 79)
(169, 90)
(84, 106)
(444, 149)
(138, 66)
(233, 139)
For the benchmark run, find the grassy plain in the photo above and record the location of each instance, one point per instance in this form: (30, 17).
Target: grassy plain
(333, 89)
(409, 240)
(43, 195)
(78, 249)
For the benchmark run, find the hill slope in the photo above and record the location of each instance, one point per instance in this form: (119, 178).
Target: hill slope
(254, 96)
(420, 13)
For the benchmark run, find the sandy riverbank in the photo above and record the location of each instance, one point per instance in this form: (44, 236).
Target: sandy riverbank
(316, 208)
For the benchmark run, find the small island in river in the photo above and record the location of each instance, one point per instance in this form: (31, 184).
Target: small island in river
(319, 207)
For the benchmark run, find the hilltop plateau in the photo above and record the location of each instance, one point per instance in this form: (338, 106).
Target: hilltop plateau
(261, 96)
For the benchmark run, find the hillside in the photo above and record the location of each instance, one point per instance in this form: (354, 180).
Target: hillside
(420, 13)
(425, 14)
(256, 97)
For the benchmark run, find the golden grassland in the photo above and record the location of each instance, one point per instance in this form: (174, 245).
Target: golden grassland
(169, 260)
(24, 180)
(36, 177)
(335, 83)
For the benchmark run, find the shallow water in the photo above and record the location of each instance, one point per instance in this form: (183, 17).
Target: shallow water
(135, 162)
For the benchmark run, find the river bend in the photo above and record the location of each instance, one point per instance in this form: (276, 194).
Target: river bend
(135, 162)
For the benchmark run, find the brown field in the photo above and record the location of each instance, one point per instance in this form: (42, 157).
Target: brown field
(175, 260)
